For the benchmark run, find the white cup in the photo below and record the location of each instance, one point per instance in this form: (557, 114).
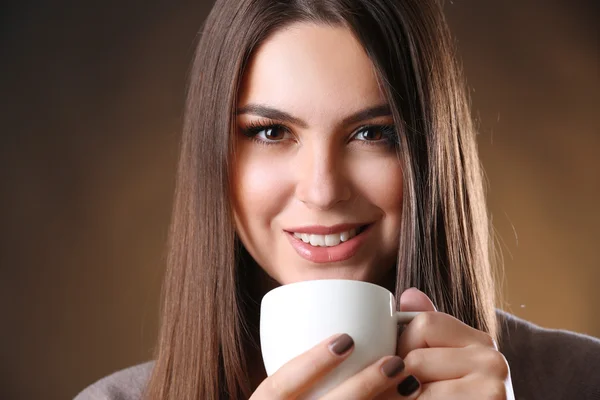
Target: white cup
(296, 317)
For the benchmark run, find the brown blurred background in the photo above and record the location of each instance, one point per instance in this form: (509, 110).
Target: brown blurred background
(91, 101)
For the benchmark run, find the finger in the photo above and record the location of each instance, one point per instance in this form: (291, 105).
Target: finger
(414, 300)
(436, 329)
(302, 372)
(440, 364)
(409, 388)
(468, 388)
(371, 381)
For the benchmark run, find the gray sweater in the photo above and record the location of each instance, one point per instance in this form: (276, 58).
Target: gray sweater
(545, 364)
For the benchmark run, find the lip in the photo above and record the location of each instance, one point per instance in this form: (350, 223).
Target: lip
(325, 230)
(321, 255)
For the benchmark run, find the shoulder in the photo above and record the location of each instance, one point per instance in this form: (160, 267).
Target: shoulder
(549, 363)
(127, 384)
(519, 337)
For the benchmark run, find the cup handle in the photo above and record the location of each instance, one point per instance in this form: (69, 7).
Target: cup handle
(404, 317)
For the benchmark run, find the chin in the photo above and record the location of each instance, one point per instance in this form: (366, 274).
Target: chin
(304, 273)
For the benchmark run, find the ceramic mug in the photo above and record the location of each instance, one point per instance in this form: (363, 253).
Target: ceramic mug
(296, 317)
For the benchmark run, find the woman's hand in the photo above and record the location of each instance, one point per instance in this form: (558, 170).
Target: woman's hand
(450, 359)
(301, 373)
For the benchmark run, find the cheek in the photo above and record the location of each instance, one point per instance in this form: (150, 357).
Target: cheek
(380, 181)
(260, 189)
(383, 187)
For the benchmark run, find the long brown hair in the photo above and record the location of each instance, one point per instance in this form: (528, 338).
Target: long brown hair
(445, 241)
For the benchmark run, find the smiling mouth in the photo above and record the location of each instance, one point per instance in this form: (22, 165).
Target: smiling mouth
(329, 240)
(330, 247)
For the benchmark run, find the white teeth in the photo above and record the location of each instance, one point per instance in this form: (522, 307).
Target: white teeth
(326, 240)
(332, 240)
(305, 237)
(317, 240)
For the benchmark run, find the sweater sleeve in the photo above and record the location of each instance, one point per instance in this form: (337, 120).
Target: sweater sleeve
(550, 364)
(127, 384)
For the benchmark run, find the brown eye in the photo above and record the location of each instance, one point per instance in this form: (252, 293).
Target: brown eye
(267, 133)
(272, 133)
(370, 133)
(380, 135)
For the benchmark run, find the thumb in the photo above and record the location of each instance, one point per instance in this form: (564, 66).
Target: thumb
(414, 300)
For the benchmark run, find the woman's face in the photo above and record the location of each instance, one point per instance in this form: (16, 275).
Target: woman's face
(317, 184)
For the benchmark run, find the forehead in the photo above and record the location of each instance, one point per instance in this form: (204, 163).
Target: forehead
(316, 72)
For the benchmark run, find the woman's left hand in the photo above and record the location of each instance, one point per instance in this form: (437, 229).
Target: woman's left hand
(449, 358)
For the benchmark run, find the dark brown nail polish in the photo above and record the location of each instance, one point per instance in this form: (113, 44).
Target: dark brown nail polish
(408, 386)
(392, 367)
(341, 344)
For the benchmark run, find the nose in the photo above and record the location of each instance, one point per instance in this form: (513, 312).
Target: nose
(322, 181)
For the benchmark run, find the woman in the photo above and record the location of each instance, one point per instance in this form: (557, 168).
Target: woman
(332, 139)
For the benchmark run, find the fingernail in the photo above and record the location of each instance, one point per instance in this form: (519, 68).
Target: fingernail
(341, 344)
(392, 367)
(408, 386)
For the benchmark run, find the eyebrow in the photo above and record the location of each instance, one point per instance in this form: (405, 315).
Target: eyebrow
(382, 110)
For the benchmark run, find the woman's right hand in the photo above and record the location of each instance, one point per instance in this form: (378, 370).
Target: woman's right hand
(303, 372)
